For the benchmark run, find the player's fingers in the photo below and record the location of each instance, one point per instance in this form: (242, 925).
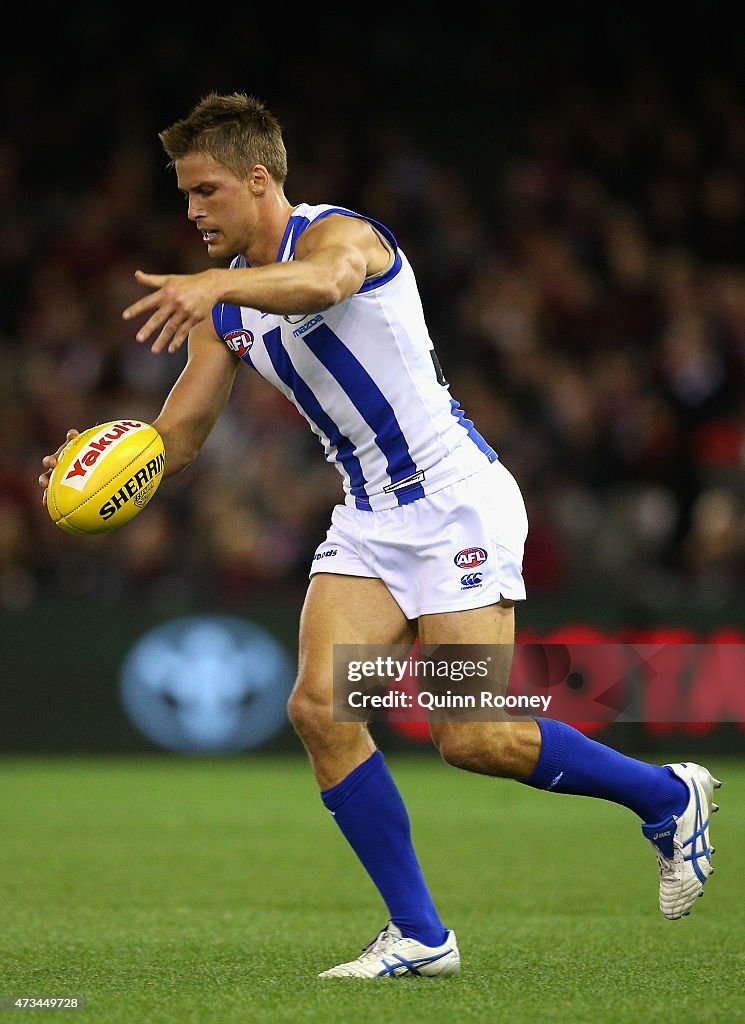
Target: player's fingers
(44, 478)
(157, 322)
(182, 334)
(143, 305)
(164, 338)
(151, 280)
(50, 461)
(71, 433)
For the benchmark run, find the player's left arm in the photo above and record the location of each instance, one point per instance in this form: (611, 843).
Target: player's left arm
(332, 259)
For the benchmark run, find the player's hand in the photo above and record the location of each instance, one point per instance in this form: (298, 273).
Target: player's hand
(177, 303)
(50, 461)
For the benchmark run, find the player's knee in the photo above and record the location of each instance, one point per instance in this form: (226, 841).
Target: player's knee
(308, 714)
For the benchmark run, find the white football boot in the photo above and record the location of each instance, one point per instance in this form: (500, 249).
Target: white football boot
(390, 955)
(681, 844)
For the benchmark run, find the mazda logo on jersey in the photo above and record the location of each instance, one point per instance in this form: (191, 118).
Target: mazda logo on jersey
(239, 341)
(469, 558)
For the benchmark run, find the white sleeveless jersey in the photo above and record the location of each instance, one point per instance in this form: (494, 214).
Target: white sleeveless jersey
(364, 375)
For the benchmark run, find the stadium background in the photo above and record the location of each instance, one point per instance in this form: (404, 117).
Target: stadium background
(571, 195)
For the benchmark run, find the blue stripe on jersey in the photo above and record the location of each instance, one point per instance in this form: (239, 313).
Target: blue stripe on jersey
(473, 433)
(295, 228)
(309, 403)
(370, 401)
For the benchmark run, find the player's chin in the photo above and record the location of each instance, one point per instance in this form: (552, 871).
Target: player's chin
(219, 250)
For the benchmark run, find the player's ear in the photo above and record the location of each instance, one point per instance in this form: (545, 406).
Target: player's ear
(259, 179)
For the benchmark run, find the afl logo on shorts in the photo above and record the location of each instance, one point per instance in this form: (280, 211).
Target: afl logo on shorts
(469, 558)
(239, 341)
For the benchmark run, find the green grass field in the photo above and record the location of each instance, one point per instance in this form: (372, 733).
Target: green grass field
(209, 890)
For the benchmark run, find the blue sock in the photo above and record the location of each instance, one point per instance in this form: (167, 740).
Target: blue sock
(570, 762)
(370, 812)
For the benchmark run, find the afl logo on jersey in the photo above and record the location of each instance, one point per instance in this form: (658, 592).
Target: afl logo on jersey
(469, 558)
(239, 341)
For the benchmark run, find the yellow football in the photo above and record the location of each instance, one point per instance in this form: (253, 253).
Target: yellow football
(105, 476)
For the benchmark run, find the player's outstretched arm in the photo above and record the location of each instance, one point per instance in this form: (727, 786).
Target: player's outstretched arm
(332, 259)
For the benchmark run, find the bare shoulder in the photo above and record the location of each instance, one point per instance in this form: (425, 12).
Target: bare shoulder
(341, 230)
(336, 228)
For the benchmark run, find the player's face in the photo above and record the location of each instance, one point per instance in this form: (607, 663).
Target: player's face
(221, 206)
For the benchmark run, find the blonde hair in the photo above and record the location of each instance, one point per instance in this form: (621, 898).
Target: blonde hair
(236, 130)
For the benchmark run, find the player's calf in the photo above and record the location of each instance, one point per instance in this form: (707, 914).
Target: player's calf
(507, 749)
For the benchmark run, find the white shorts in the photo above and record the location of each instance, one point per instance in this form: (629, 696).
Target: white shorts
(459, 548)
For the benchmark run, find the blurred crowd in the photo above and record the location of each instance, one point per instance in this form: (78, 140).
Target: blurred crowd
(583, 275)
